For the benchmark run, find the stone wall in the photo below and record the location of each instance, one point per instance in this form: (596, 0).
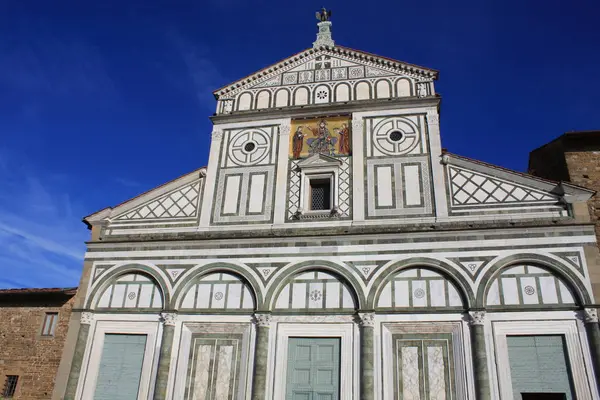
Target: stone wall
(23, 350)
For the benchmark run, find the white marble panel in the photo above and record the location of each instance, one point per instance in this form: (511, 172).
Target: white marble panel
(282, 98)
(493, 296)
(284, 298)
(454, 299)
(202, 373)
(535, 270)
(146, 293)
(224, 373)
(528, 297)
(118, 294)
(347, 301)
(315, 297)
(419, 301)
(548, 289)
(188, 300)
(437, 290)
(412, 179)
(401, 294)
(426, 273)
(565, 294)
(510, 291)
(248, 299)
(382, 89)
(332, 300)
(363, 91)
(244, 101)
(232, 191)
(342, 93)
(515, 270)
(301, 96)
(436, 373)
(410, 374)
(203, 298)
(104, 300)
(298, 295)
(385, 298)
(262, 100)
(218, 295)
(403, 87)
(157, 301)
(384, 186)
(257, 193)
(234, 297)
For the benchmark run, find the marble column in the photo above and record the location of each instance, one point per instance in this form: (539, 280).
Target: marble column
(164, 361)
(261, 353)
(84, 330)
(590, 318)
(480, 367)
(367, 356)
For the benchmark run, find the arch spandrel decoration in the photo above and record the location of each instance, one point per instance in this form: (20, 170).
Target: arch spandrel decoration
(419, 288)
(131, 290)
(528, 285)
(218, 291)
(315, 290)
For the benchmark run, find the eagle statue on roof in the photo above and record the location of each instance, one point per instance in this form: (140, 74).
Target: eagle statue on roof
(323, 15)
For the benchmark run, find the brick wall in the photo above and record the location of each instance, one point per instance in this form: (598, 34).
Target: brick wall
(584, 170)
(23, 351)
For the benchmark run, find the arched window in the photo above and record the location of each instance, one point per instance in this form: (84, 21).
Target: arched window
(419, 288)
(219, 291)
(315, 290)
(131, 290)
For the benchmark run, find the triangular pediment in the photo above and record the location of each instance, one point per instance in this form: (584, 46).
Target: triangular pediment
(476, 184)
(325, 64)
(319, 160)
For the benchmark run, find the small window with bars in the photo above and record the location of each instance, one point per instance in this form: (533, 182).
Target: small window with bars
(50, 321)
(320, 194)
(10, 386)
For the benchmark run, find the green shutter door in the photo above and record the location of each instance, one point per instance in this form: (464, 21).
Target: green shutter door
(313, 370)
(120, 367)
(538, 364)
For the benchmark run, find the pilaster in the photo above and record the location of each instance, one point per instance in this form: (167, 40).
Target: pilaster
(358, 169)
(211, 177)
(84, 329)
(169, 321)
(366, 322)
(590, 319)
(437, 168)
(480, 367)
(262, 322)
(282, 173)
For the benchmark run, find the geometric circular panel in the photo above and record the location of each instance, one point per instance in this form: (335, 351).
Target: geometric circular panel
(249, 147)
(396, 135)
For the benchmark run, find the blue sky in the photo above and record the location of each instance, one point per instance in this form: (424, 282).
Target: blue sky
(100, 101)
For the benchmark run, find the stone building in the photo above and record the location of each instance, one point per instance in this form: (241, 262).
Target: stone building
(33, 330)
(331, 250)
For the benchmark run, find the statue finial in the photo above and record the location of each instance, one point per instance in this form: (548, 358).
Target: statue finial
(324, 34)
(324, 15)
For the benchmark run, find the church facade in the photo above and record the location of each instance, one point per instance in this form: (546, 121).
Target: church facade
(332, 250)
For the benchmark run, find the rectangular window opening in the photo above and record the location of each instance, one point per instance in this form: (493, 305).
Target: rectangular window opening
(10, 386)
(50, 321)
(320, 194)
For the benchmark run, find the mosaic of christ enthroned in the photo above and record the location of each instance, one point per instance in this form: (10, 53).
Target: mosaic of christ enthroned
(329, 136)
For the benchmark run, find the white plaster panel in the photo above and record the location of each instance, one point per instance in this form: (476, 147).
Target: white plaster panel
(299, 295)
(105, 298)
(263, 99)
(385, 298)
(118, 296)
(301, 96)
(363, 91)
(382, 89)
(342, 92)
(203, 299)
(234, 296)
(437, 291)
(245, 101)
(282, 98)
(510, 291)
(548, 290)
(332, 301)
(402, 294)
(403, 87)
(145, 293)
(384, 186)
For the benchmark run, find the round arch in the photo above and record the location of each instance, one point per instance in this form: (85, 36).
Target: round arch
(113, 274)
(581, 294)
(332, 268)
(447, 271)
(203, 270)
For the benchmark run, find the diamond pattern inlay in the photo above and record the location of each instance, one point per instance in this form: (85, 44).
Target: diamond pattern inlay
(471, 188)
(181, 203)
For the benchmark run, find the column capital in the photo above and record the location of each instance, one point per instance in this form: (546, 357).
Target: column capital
(217, 134)
(366, 319)
(357, 124)
(284, 129)
(590, 315)
(262, 319)
(168, 318)
(86, 318)
(476, 317)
